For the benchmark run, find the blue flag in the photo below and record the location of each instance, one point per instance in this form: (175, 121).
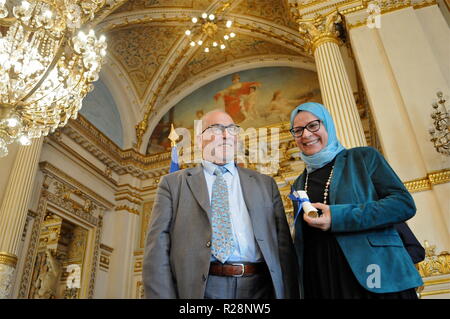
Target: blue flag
(174, 160)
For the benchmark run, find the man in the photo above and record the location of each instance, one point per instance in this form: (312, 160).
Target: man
(219, 230)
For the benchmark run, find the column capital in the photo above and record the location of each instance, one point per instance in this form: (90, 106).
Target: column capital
(320, 30)
(8, 259)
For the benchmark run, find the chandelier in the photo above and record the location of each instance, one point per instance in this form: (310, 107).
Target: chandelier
(210, 32)
(440, 134)
(47, 65)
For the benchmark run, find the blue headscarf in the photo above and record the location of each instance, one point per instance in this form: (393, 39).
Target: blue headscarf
(333, 147)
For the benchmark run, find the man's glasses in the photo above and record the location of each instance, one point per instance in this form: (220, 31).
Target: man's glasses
(218, 129)
(312, 126)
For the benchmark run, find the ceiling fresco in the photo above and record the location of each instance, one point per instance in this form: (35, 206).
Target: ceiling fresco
(150, 56)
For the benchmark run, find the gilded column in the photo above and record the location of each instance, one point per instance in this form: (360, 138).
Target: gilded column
(13, 212)
(322, 40)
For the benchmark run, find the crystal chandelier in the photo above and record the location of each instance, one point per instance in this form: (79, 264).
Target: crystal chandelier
(440, 132)
(210, 32)
(47, 65)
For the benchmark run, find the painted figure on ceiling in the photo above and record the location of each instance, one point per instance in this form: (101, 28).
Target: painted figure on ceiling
(232, 96)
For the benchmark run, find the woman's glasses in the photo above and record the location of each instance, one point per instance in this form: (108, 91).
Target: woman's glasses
(312, 126)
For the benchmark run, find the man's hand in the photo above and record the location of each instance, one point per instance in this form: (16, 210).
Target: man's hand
(324, 221)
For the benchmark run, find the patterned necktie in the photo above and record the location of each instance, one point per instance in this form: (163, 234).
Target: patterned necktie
(222, 234)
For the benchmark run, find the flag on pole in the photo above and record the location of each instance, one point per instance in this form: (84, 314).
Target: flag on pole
(174, 161)
(173, 137)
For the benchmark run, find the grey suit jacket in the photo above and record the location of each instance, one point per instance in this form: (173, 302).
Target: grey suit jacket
(178, 245)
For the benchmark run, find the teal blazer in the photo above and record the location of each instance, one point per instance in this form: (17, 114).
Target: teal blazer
(366, 199)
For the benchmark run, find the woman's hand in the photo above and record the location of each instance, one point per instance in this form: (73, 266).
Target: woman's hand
(324, 221)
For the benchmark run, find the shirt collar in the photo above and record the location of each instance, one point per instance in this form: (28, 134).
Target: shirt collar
(210, 167)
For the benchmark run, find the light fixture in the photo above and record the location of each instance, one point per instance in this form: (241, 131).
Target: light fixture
(47, 66)
(209, 30)
(440, 131)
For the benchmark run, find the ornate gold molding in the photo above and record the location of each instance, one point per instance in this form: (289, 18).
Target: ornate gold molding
(301, 9)
(48, 168)
(105, 255)
(269, 33)
(335, 6)
(386, 7)
(107, 8)
(95, 257)
(138, 265)
(434, 265)
(437, 281)
(121, 161)
(426, 183)
(319, 31)
(106, 248)
(139, 290)
(418, 185)
(127, 209)
(320, 7)
(434, 292)
(439, 177)
(146, 212)
(8, 259)
(129, 199)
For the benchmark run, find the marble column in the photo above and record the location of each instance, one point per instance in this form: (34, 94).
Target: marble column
(402, 67)
(322, 39)
(13, 212)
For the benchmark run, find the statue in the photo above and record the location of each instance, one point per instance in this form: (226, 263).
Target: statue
(47, 280)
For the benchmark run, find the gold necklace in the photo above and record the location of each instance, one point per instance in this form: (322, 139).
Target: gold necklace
(327, 185)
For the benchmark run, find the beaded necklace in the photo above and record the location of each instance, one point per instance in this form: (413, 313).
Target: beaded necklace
(327, 185)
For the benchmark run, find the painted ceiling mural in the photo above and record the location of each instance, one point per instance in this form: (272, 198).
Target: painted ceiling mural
(151, 58)
(240, 47)
(266, 9)
(147, 4)
(141, 50)
(254, 98)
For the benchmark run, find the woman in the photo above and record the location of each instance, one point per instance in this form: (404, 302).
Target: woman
(352, 249)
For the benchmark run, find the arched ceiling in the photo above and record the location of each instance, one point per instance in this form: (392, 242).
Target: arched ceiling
(150, 56)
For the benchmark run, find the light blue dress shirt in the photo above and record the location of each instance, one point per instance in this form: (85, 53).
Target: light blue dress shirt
(246, 249)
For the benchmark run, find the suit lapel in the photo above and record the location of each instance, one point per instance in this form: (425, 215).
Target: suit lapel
(197, 184)
(337, 174)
